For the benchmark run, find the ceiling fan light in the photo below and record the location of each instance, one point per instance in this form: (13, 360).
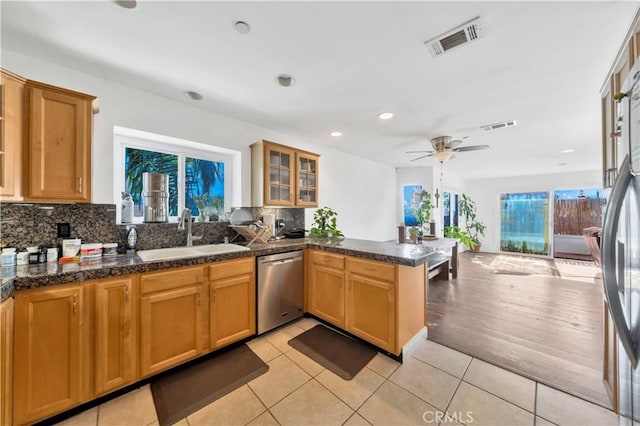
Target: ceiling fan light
(442, 156)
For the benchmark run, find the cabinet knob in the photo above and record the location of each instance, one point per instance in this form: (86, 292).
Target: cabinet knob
(74, 305)
(80, 184)
(126, 292)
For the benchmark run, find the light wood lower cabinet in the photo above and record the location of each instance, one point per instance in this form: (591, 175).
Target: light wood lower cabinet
(326, 287)
(171, 318)
(48, 356)
(371, 310)
(382, 303)
(232, 296)
(115, 347)
(6, 361)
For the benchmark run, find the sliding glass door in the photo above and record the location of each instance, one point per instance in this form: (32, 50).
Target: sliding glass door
(524, 223)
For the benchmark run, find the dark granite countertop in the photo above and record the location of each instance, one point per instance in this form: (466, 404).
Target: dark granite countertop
(48, 274)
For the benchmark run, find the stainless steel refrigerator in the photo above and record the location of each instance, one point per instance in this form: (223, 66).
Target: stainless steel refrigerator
(621, 252)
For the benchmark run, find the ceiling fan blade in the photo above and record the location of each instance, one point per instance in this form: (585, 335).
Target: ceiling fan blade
(417, 152)
(471, 148)
(420, 158)
(453, 144)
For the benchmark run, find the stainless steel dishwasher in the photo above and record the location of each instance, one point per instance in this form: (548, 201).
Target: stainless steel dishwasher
(280, 289)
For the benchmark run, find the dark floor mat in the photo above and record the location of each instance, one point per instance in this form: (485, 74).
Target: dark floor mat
(185, 391)
(334, 351)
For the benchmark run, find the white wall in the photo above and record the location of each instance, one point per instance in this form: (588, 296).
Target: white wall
(486, 193)
(361, 191)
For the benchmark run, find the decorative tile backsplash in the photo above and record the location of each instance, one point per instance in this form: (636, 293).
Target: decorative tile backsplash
(23, 225)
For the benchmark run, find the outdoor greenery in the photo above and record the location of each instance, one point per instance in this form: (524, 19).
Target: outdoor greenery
(325, 224)
(138, 161)
(474, 228)
(522, 247)
(204, 186)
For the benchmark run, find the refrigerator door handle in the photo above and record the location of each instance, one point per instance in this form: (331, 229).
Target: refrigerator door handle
(609, 278)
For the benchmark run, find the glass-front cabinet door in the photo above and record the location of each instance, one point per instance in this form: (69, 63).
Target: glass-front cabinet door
(307, 183)
(279, 185)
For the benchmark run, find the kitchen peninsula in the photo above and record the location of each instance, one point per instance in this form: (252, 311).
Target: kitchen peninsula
(121, 313)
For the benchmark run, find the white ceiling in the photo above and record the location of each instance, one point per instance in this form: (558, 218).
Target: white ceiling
(541, 63)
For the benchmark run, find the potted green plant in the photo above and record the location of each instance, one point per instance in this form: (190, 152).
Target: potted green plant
(473, 227)
(422, 210)
(325, 225)
(209, 209)
(463, 236)
(413, 234)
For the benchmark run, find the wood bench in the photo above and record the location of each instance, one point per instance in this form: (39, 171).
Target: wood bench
(438, 266)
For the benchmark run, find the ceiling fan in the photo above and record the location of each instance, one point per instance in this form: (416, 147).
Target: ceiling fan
(444, 148)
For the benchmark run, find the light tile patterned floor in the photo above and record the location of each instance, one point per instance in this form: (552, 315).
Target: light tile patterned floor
(436, 386)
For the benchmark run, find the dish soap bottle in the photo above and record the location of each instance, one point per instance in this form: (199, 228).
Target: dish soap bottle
(127, 208)
(132, 239)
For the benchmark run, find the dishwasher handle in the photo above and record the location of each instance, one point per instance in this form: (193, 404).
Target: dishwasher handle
(280, 262)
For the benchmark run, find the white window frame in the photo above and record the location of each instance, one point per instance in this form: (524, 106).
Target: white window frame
(130, 138)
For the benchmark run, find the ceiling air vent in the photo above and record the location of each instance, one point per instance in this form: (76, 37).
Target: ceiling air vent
(502, 125)
(459, 36)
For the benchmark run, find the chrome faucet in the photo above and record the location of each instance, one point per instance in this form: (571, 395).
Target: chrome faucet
(186, 216)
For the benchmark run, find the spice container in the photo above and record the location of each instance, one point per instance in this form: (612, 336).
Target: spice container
(33, 255)
(42, 255)
(8, 256)
(109, 249)
(52, 254)
(22, 258)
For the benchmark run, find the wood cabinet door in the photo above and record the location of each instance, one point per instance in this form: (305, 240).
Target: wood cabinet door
(115, 349)
(6, 361)
(59, 145)
(279, 171)
(232, 313)
(371, 310)
(11, 142)
(170, 327)
(48, 358)
(306, 180)
(326, 294)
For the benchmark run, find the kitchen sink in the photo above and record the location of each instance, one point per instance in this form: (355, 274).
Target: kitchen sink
(170, 253)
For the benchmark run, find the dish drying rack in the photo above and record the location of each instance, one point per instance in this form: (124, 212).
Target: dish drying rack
(260, 234)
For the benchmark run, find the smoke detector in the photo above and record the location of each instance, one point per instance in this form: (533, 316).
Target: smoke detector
(459, 36)
(502, 125)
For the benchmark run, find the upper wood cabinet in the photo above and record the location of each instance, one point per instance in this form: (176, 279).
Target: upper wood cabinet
(48, 352)
(283, 176)
(11, 135)
(58, 148)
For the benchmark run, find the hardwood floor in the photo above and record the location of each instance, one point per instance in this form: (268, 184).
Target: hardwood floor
(545, 327)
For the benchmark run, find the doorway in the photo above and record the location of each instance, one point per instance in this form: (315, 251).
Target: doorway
(574, 211)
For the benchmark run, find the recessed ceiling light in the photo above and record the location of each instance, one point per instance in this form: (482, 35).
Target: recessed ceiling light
(193, 95)
(566, 151)
(562, 164)
(285, 80)
(385, 115)
(336, 134)
(127, 4)
(242, 27)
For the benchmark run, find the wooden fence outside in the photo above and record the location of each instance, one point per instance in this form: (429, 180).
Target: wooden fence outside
(572, 216)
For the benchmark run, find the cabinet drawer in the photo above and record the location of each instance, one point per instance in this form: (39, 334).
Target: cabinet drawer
(378, 270)
(328, 259)
(231, 268)
(173, 278)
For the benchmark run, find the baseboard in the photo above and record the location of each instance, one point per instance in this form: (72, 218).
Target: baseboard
(410, 347)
